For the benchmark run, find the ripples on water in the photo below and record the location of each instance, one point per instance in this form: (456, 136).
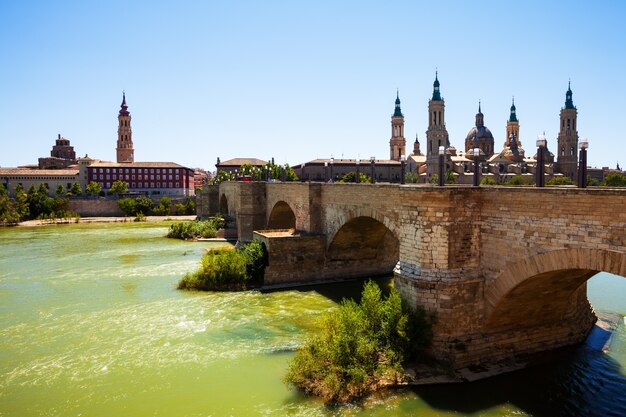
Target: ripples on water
(90, 323)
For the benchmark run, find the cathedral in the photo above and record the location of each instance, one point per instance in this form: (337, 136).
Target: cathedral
(479, 144)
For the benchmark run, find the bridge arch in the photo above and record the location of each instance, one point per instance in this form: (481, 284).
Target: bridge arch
(362, 246)
(224, 205)
(281, 217)
(547, 287)
(339, 220)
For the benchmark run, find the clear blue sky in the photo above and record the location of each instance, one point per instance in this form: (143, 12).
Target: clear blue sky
(297, 81)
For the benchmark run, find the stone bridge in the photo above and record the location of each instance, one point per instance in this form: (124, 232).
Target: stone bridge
(502, 269)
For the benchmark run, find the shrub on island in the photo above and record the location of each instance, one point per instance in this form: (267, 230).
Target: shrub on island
(228, 269)
(196, 229)
(360, 348)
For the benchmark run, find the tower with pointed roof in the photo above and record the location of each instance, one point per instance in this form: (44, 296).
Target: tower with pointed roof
(512, 127)
(397, 143)
(436, 135)
(567, 141)
(416, 147)
(125, 150)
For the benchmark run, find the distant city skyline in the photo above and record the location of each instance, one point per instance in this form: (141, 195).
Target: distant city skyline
(302, 81)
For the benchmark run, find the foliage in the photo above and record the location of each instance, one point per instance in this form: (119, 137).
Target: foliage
(411, 177)
(118, 187)
(196, 228)
(449, 179)
(11, 211)
(520, 180)
(128, 206)
(560, 181)
(351, 177)
(614, 179)
(488, 181)
(36, 204)
(93, 188)
(60, 191)
(360, 348)
(144, 205)
(180, 209)
(163, 209)
(222, 176)
(76, 190)
(190, 206)
(227, 269)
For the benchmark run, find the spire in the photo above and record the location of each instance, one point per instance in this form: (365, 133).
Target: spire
(124, 107)
(513, 116)
(480, 121)
(436, 93)
(398, 111)
(416, 139)
(569, 104)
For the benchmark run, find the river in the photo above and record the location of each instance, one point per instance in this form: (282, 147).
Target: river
(91, 325)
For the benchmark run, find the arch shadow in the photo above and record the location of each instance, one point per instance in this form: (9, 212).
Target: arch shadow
(281, 217)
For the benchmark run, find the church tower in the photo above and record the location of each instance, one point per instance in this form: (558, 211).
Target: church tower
(397, 143)
(512, 127)
(436, 135)
(567, 141)
(125, 151)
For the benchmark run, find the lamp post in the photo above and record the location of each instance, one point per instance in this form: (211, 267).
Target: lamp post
(541, 146)
(372, 162)
(358, 162)
(476, 167)
(302, 173)
(442, 151)
(283, 174)
(332, 162)
(582, 163)
(402, 165)
(267, 173)
(326, 179)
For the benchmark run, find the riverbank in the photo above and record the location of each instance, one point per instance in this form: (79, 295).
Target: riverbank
(32, 223)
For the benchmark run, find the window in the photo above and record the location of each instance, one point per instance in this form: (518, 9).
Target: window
(152, 177)
(158, 185)
(108, 185)
(133, 177)
(170, 178)
(152, 170)
(145, 185)
(107, 170)
(127, 170)
(108, 177)
(177, 185)
(140, 185)
(132, 185)
(114, 170)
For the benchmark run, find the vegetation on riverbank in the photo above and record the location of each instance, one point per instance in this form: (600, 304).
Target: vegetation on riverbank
(34, 204)
(228, 269)
(196, 229)
(361, 347)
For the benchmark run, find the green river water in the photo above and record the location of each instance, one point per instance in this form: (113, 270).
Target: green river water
(91, 325)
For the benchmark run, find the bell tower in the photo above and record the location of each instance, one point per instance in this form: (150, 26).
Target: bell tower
(397, 143)
(567, 141)
(436, 135)
(512, 127)
(125, 151)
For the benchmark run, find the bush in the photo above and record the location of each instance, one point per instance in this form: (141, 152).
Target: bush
(614, 180)
(488, 181)
(560, 181)
(196, 228)
(128, 206)
(227, 269)
(361, 347)
(144, 205)
(520, 180)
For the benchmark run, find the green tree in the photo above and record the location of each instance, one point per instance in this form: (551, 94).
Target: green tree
(76, 190)
(614, 179)
(128, 206)
(60, 191)
(163, 209)
(144, 205)
(560, 181)
(359, 347)
(488, 181)
(450, 178)
(93, 188)
(411, 177)
(351, 177)
(39, 203)
(118, 187)
(190, 206)
(222, 176)
(520, 180)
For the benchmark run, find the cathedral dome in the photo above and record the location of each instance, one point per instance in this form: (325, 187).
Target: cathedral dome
(481, 132)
